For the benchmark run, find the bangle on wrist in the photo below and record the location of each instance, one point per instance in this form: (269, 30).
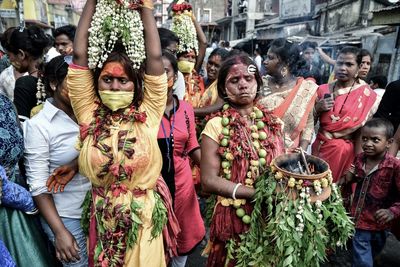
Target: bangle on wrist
(235, 189)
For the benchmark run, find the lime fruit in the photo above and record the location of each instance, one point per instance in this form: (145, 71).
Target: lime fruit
(240, 213)
(246, 219)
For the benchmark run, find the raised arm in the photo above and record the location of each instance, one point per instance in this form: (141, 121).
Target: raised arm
(325, 57)
(201, 38)
(154, 64)
(80, 56)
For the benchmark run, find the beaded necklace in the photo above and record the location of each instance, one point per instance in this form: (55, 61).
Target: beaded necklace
(240, 142)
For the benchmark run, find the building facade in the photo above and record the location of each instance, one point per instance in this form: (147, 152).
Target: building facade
(330, 23)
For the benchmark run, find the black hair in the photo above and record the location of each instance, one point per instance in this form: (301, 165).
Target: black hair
(51, 40)
(308, 44)
(31, 40)
(134, 75)
(54, 71)
(68, 30)
(167, 37)
(363, 53)
(288, 53)
(383, 124)
(172, 59)
(222, 52)
(352, 50)
(226, 66)
(380, 80)
(5, 38)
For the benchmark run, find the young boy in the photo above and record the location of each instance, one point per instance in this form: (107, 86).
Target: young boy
(376, 199)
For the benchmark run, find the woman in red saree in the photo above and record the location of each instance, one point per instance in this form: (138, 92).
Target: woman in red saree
(345, 105)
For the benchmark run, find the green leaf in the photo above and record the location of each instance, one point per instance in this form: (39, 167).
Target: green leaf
(309, 216)
(136, 218)
(288, 261)
(289, 251)
(290, 222)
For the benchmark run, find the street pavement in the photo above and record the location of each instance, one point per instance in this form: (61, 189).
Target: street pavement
(390, 256)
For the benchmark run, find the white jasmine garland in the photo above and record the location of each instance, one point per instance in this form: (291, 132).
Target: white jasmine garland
(183, 27)
(112, 21)
(317, 188)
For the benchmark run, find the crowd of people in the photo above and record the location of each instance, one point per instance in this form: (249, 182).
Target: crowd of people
(106, 166)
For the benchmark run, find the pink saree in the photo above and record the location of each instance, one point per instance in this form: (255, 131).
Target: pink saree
(335, 141)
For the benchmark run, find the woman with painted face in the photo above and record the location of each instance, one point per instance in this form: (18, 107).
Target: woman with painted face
(119, 110)
(210, 102)
(50, 139)
(234, 157)
(289, 97)
(178, 143)
(190, 61)
(26, 48)
(345, 105)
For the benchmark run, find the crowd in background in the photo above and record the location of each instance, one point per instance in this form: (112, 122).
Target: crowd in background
(64, 132)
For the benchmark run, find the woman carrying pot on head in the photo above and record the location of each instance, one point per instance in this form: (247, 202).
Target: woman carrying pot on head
(289, 97)
(119, 110)
(343, 107)
(236, 150)
(191, 51)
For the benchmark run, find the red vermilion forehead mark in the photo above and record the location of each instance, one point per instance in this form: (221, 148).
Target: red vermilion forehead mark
(113, 69)
(191, 53)
(238, 71)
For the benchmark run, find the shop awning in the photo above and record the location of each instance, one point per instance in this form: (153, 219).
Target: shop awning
(386, 16)
(233, 43)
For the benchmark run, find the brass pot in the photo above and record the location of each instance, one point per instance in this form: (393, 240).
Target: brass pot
(287, 163)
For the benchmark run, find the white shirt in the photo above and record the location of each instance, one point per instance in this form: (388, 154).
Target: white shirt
(179, 86)
(258, 61)
(379, 91)
(7, 82)
(52, 53)
(50, 139)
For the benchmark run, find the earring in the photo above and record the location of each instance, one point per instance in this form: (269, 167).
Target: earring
(284, 72)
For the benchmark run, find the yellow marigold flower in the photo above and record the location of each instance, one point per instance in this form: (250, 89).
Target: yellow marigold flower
(278, 175)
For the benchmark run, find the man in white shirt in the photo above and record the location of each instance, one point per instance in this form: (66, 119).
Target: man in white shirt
(378, 84)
